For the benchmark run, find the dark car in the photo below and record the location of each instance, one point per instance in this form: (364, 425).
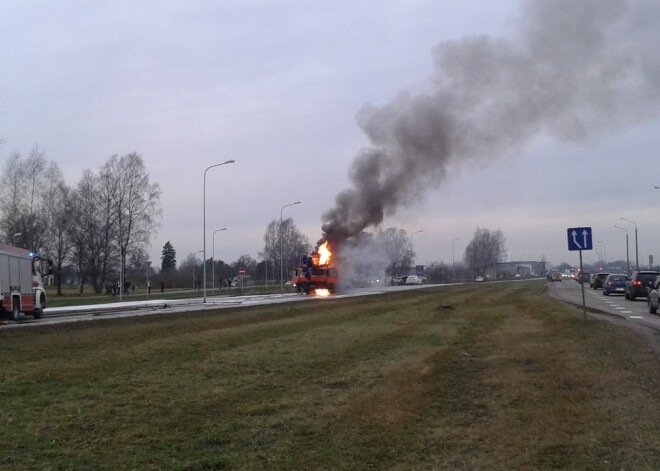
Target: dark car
(653, 299)
(583, 277)
(598, 280)
(615, 284)
(637, 286)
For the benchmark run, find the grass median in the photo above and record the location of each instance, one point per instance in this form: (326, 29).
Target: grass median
(495, 376)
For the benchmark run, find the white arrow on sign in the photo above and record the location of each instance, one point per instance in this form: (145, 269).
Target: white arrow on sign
(575, 242)
(584, 237)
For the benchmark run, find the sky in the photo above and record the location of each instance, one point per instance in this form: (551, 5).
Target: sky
(283, 88)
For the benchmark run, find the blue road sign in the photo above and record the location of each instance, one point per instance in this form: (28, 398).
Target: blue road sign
(579, 238)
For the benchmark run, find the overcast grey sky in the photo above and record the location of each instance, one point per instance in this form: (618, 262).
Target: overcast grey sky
(277, 87)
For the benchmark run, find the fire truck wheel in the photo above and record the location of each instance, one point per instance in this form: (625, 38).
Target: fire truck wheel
(38, 313)
(15, 312)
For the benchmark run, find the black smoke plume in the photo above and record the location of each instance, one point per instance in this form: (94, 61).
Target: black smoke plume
(571, 69)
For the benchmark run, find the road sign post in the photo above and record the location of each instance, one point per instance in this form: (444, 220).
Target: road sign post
(241, 276)
(579, 239)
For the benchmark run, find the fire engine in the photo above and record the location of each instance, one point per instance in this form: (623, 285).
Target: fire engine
(316, 274)
(21, 282)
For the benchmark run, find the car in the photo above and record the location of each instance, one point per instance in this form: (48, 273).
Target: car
(479, 279)
(653, 298)
(414, 280)
(615, 284)
(598, 280)
(637, 286)
(556, 276)
(583, 277)
(395, 280)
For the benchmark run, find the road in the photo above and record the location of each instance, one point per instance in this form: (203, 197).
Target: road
(116, 310)
(615, 305)
(568, 290)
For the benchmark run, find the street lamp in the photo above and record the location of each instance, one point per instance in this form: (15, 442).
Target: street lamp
(204, 210)
(636, 246)
(412, 248)
(281, 259)
(604, 253)
(453, 262)
(213, 259)
(627, 253)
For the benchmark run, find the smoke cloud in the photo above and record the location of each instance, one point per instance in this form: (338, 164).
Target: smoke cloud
(571, 69)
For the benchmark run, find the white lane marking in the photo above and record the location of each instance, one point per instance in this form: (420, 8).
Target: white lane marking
(619, 308)
(626, 312)
(636, 317)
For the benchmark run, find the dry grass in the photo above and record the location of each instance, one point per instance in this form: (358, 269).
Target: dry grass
(484, 377)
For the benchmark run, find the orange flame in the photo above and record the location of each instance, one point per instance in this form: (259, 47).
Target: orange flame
(325, 254)
(322, 292)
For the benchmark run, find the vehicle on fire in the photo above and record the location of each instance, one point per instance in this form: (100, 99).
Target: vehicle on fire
(316, 274)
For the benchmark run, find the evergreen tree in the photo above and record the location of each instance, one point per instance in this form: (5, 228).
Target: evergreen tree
(168, 257)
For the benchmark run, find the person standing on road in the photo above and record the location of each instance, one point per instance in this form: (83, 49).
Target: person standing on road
(149, 287)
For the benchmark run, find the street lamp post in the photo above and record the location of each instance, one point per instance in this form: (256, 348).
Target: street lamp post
(453, 262)
(627, 252)
(636, 246)
(204, 216)
(213, 259)
(604, 253)
(281, 259)
(412, 248)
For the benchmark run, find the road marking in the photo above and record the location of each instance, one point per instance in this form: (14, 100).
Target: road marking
(619, 308)
(636, 317)
(626, 312)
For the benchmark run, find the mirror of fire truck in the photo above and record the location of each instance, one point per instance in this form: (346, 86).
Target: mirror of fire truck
(42, 266)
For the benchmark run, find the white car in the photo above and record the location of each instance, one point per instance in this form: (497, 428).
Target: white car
(414, 280)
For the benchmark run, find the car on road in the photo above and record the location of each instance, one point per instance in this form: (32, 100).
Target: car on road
(637, 286)
(414, 280)
(556, 276)
(583, 277)
(653, 298)
(615, 284)
(598, 279)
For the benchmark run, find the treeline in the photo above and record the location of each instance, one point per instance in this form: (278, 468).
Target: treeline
(92, 231)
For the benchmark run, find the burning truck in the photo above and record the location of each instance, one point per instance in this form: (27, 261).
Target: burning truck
(316, 275)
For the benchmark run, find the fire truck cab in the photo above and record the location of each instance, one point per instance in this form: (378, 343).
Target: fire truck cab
(21, 282)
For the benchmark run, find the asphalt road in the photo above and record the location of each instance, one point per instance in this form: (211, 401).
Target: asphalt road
(614, 304)
(164, 306)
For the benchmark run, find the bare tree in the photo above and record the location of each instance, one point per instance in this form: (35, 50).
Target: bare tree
(22, 199)
(397, 249)
(58, 212)
(87, 231)
(135, 201)
(484, 252)
(294, 244)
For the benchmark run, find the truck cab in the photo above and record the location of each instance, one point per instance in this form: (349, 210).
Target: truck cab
(309, 278)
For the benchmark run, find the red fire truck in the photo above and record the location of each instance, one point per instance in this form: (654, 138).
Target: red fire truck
(21, 282)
